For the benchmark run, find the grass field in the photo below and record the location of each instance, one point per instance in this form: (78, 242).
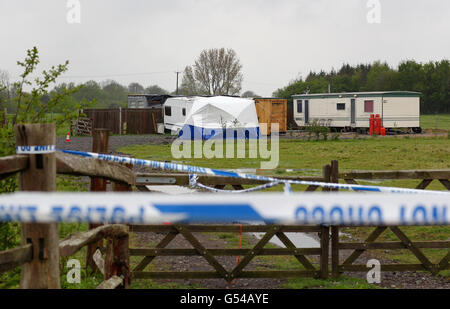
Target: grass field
(362, 154)
(429, 122)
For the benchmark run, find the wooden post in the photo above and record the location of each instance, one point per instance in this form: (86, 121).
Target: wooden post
(334, 178)
(326, 172)
(43, 270)
(324, 246)
(117, 259)
(122, 186)
(334, 173)
(335, 251)
(100, 143)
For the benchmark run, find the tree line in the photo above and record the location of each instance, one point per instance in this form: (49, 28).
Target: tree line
(431, 79)
(105, 94)
(214, 72)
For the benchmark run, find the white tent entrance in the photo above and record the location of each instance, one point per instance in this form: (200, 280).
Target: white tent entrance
(221, 118)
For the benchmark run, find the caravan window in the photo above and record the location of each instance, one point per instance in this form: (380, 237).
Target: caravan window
(340, 106)
(167, 111)
(184, 111)
(368, 106)
(299, 107)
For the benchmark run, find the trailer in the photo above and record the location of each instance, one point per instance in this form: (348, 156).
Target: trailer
(352, 111)
(175, 111)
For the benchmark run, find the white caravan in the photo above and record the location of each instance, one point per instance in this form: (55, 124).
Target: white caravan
(175, 111)
(351, 111)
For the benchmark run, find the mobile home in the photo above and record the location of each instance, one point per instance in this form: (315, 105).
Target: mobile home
(351, 111)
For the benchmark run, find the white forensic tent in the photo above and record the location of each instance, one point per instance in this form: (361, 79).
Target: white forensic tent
(221, 117)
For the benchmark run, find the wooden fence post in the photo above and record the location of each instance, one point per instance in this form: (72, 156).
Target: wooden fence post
(325, 247)
(334, 173)
(122, 186)
(100, 143)
(334, 178)
(43, 270)
(326, 172)
(335, 251)
(117, 259)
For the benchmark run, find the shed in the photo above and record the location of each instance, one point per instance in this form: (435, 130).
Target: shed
(272, 110)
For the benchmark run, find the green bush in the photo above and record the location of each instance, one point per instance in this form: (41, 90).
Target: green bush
(317, 130)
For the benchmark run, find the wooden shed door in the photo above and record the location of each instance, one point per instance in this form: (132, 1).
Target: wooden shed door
(279, 114)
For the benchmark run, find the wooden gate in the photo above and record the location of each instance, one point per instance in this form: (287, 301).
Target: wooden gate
(306, 267)
(371, 244)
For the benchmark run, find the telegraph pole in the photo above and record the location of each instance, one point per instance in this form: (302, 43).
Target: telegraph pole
(177, 80)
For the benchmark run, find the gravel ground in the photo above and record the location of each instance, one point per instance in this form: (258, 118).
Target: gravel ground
(197, 263)
(84, 143)
(415, 280)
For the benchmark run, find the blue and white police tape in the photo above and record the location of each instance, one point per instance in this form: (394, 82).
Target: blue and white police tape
(193, 182)
(44, 149)
(297, 208)
(209, 171)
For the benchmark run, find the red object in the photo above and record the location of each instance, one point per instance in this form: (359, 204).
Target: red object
(67, 137)
(377, 124)
(372, 124)
(383, 131)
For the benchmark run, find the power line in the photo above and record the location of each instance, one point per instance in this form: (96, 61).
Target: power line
(106, 76)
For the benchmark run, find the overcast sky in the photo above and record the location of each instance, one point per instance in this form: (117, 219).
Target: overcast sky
(276, 40)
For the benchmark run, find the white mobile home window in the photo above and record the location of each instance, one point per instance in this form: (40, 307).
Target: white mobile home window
(340, 106)
(167, 111)
(299, 106)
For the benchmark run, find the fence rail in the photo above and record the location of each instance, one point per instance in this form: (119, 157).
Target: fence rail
(370, 244)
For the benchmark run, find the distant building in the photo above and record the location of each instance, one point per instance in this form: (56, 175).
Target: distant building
(147, 100)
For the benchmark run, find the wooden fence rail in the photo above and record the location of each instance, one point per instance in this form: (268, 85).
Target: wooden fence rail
(10, 259)
(427, 176)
